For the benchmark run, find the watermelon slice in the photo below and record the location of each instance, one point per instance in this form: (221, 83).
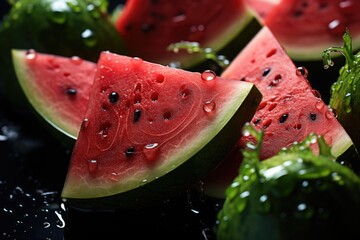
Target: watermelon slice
(65, 82)
(305, 28)
(62, 27)
(151, 130)
(290, 109)
(148, 27)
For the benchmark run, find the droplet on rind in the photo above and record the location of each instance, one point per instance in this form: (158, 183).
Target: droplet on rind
(208, 75)
(89, 38)
(209, 106)
(58, 12)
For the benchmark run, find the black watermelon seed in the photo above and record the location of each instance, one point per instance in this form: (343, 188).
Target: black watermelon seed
(113, 97)
(71, 91)
(257, 121)
(313, 116)
(137, 115)
(130, 151)
(266, 72)
(283, 118)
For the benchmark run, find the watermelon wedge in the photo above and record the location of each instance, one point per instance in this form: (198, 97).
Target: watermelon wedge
(148, 27)
(290, 109)
(306, 28)
(151, 130)
(57, 87)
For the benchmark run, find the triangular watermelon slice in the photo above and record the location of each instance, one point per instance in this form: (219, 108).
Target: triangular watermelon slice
(290, 109)
(57, 87)
(151, 130)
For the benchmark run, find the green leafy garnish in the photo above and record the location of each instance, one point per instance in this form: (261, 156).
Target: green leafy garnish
(194, 47)
(345, 92)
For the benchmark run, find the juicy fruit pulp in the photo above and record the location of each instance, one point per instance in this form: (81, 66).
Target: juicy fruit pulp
(149, 27)
(289, 111)
(61, 27)
(57, 87)
(345, 94)
(296, 194)
(150, 130)
(313, 25)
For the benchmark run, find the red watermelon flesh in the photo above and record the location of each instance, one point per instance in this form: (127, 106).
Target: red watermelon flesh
(261, 7)
(148, 27)
(307, 27)
(290, 109)
(150, 129)
(57, 87)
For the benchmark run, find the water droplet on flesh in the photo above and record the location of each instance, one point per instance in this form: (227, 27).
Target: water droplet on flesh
(209, 106)
(92, 166)
(208, 75)
(31, 54)
(302, 71)
(76, 60)
(319, 105)
(151, 151)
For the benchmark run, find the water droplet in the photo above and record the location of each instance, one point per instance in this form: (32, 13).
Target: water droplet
(302, 71)
(347, 7)
(316, 93)
(336, 28)
(93, 11)
(331, 113)
(58, 12)
(303, 211)
(76, 60)
(136, 61)
(179, 18)
(319, 104)
(347, 103)
(208, 75)
(85, 123)
(89, 38)
(31, 54)
(151, 151)
(92, 166)
(209, 106)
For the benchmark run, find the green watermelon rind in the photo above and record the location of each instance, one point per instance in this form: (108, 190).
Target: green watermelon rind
(183, 168)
